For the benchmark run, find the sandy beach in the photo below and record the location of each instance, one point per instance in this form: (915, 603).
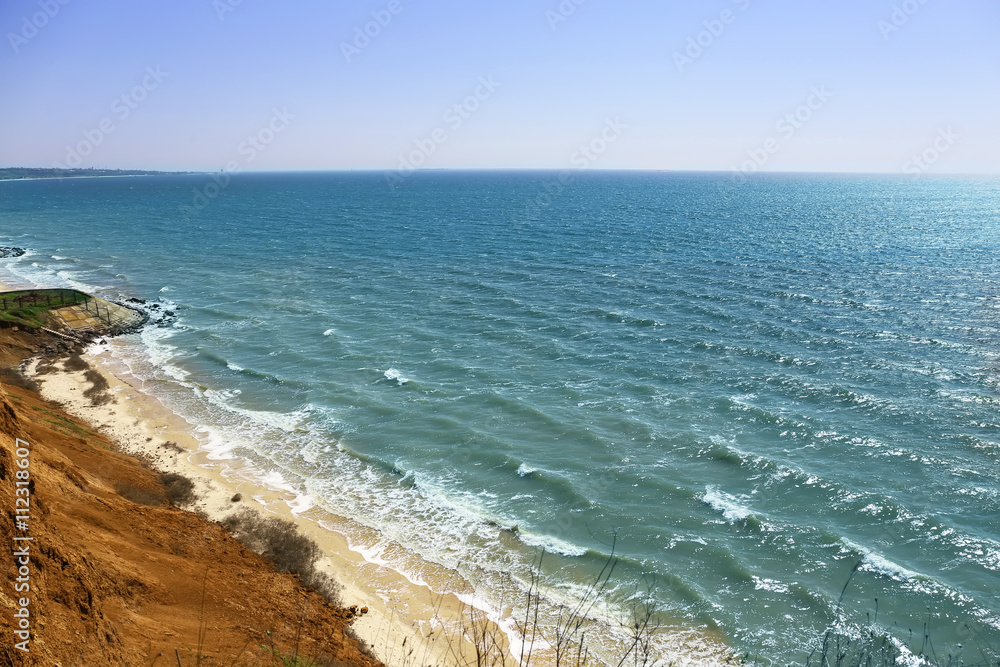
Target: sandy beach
(402, 614)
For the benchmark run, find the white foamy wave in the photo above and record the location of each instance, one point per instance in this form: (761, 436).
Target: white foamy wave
(59, 257)
(312, 451)
(154, 341)
(227, 393)
(370, 554)
(234, 367)
(72, 279)
(215, 444)
(276, 480)
(301, 503)
(727, 505)
(376, 555)
(34, 274)
(523, 470)
(164, 289)
(906, 657)
(771, 585)
(329, 332)
(393, 374)
(284, 421)
(518, 643)
(176, 372)
(879, 564)
(552, 545)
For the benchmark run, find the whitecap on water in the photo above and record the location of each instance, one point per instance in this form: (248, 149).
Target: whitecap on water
(393, 374)
(523, 470)
(879, 564)
(727, 505)
(551, 544)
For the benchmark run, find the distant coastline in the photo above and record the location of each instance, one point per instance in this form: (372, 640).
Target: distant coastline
(32, 173)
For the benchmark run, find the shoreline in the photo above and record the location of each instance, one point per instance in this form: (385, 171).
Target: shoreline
(401, 612)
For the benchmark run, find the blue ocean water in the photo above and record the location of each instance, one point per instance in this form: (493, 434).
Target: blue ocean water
(753, 385)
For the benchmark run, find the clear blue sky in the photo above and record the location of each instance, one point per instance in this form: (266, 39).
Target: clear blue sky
(894, 93)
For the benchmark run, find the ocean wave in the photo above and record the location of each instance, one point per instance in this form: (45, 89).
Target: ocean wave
(729, 506)
(872, 561)
(393, 375)
(551, 544)
(288, 422)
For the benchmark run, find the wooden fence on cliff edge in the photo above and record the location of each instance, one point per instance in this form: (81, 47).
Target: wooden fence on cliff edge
(54, 298)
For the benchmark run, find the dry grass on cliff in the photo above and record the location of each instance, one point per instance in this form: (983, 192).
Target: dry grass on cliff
(280, 542)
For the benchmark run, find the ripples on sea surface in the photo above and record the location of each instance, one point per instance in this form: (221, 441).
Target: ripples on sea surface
(758, 385)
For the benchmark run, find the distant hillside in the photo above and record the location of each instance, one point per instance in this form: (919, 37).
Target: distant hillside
(13, 173)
